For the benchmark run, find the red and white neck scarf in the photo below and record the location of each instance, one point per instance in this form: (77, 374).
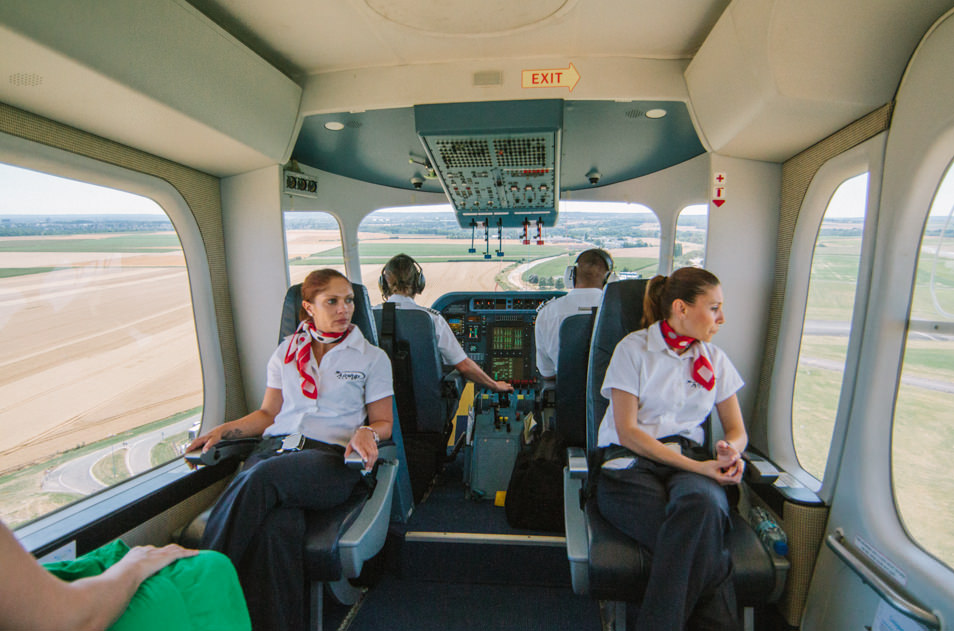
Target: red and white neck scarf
(299, 351)
(702, 371)
(675, 341)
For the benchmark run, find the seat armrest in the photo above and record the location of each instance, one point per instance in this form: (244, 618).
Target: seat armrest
(365, 537)
(758, 470)
(576, 463)
(452, 387)
(453, 379)
(577, 547)
(236, 448)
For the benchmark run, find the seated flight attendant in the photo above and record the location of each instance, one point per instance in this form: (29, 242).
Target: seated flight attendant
(401, 280)
(656, 483)
(328, 385)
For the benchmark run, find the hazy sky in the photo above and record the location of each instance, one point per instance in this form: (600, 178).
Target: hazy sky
(25, 192)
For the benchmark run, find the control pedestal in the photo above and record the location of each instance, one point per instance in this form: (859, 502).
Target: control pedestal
(493, 440)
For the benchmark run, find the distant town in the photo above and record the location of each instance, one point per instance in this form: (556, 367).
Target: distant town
(56, 225)
(611, 230)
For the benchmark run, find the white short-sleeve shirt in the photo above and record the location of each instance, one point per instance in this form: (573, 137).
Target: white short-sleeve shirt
(670, 401)
(451, 351)
(351, 375)
(549, 318)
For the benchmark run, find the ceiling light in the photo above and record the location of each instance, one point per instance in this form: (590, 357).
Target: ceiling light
(336, 126)
(657, 113)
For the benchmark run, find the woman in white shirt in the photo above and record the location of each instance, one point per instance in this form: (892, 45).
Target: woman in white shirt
(330, 390)
(657, 484)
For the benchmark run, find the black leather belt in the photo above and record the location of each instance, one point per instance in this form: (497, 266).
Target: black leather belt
(689, 448)
(297, 442)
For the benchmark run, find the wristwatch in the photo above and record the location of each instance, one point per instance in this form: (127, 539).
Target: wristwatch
(377, 439)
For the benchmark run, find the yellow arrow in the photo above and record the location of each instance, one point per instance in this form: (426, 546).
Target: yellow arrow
(550, 78)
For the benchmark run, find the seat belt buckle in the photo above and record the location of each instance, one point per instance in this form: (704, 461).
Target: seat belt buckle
(292, 442)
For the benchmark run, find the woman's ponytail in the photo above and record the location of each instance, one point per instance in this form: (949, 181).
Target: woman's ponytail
(685, 284)
(652, 301)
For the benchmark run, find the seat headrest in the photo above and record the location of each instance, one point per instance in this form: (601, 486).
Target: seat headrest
(362, 312)
(572, 362)
(620, 313)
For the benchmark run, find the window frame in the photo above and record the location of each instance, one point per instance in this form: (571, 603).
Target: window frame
(867, 156)
(27, 154)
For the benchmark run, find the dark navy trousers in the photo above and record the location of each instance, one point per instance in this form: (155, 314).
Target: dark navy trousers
(259, 523)
(682, 518)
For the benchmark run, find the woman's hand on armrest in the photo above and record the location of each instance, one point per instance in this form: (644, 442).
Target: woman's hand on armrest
(365, 438)
(248, 426)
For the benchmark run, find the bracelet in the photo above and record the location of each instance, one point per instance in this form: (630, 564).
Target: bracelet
(377, 439)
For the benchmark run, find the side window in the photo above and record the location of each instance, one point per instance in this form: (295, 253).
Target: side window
(312, 241)
(100, 375)
(827, 324)
(922, 436)
(691, 230)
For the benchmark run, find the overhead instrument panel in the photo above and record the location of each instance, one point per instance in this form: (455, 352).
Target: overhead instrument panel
(497, 162)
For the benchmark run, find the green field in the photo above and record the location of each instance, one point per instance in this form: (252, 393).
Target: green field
(380, 252)
(10, 272)
(112, 469)
(922, 432)
(555, 268)
(169, 449)
(127, 243)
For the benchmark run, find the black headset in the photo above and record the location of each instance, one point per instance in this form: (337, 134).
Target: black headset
(417, 282)
(569, 276)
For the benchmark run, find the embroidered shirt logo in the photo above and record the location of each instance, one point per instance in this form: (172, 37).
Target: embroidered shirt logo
(350, 375)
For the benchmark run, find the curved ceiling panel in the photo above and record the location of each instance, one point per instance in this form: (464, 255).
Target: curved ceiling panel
(619, 140)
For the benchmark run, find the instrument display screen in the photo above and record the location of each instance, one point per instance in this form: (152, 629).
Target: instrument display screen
(507, 338)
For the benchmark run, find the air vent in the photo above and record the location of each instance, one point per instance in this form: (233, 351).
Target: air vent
(464, 153)
(26, 79)
(487, 78)
(635, 113)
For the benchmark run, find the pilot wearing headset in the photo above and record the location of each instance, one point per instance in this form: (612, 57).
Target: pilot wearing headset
(401, 279)
(585, 278)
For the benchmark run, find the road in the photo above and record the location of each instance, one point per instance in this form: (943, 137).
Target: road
(77, 476)
(841, 328)
(515, 275)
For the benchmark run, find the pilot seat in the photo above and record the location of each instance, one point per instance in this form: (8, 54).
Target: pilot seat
(426, 398)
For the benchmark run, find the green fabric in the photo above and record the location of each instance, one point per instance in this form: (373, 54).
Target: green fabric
(200, 593)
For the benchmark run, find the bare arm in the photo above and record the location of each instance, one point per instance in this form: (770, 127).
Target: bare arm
(250, 425)
(381, 420)
(625, 415)
(32, 598)
(475, 373)
(729, 450)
